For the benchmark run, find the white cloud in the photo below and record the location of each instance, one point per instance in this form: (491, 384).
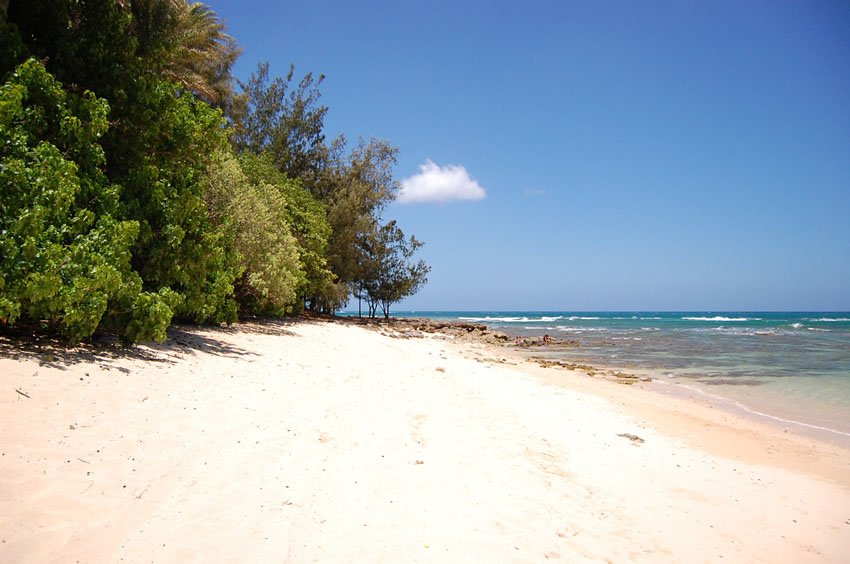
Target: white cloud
(436, 183)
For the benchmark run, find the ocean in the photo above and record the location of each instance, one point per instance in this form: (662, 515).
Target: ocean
(791, 368)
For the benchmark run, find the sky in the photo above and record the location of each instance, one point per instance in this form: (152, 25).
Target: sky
(598, 155)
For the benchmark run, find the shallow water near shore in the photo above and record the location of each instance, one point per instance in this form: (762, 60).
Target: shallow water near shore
(791, 368)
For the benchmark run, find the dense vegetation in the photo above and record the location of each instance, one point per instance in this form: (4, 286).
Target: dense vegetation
(142, 184)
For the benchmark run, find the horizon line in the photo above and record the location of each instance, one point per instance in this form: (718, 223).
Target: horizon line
(490, 310)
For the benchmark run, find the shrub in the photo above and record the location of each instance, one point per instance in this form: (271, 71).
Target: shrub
(64, 256)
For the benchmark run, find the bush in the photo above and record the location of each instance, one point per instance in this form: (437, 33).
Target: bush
(65, 258)
(254, 215)
(159, 153)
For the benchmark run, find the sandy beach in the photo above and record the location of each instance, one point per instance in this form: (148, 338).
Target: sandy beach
(315, 441)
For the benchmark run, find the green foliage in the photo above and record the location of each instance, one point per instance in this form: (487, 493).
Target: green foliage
(159, 145)
(187, 44)
(284, 123)
(65, 257)
(386, 276)
(85, 44)
(282, 120)
(255, 216)
(307, 219)
(103, 44)
(158, 148)
(127, 223)
(279, 230)
(159, 153)
(11, 47)
(333, 298)
(362, 185)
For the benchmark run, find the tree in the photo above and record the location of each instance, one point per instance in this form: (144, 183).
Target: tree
(65, 254)
(85, 44)
(361, 185)
(254, 214)
(10, 41)
(187, 44)
(159, 154)
(157, 148)
(282, 120)
(195, 232)
(306, 217)
(102, 44)
(387, 276)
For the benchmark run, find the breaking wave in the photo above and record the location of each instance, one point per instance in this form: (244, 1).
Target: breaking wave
(721, 318)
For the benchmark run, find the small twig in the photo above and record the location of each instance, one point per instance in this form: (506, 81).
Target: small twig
(84, 461)
(26, 395)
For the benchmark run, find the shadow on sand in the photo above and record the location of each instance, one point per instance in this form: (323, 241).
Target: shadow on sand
(50, 350)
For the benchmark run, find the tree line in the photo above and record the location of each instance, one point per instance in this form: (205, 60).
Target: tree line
(142, 184)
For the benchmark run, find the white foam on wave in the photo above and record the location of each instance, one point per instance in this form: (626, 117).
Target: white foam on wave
(721, 318)
(831, 319)
(498, 319)
(739, 331)
(535, 319)
(797, 325)
(746, 332)
(524, 319)
(580, 329)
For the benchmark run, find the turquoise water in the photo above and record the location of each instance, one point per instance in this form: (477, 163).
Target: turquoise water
(790, 367)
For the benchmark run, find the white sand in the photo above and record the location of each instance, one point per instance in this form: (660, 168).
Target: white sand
(333, 443)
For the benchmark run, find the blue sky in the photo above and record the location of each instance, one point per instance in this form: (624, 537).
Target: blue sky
(632, 155)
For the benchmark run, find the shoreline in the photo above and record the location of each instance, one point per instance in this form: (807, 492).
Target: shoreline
(319, 440)
(655, 380)
(825, 434)
(536, 351)
(716, 411)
